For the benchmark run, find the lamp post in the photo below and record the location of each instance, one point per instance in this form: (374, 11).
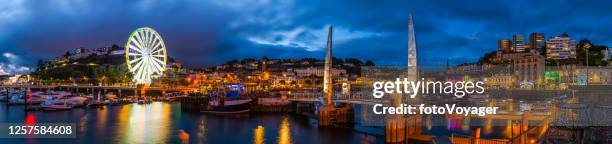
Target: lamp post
(586, 52)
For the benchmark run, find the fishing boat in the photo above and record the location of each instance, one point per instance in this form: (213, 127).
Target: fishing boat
(231, 103)
(229, 106)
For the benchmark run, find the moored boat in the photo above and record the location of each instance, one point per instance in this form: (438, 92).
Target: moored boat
(58, 104)
(143, 100)
(16, 98)
(229, 106)
(62, 101)
(96, 102)
(4, 95)
(231, 103)
(40, 97)
(77, 101)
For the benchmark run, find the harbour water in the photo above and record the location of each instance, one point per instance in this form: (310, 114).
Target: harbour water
(161, 122)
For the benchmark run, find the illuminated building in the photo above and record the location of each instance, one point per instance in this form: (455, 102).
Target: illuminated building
(283, 79)
(528, 67)
(560, 47)
(601, 75)
(317, 71)
(607, 54)
(518, 42)
(501, 80)
(504, 46)
(563, 74)
(536, 41)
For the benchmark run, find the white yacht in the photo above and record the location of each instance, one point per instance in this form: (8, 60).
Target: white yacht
(58, 104)
(62, 101)
(35, 98)
(16, 97)
(77, 101)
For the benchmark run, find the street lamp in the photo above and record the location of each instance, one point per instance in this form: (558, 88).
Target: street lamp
(586, 52)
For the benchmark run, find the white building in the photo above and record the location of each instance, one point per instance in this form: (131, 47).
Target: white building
(560, 47)
(305, 72)
(117, 53)
(607, 54)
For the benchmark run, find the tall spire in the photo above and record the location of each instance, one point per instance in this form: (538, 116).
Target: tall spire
(447, 63)
(412, 50)
(327, 76)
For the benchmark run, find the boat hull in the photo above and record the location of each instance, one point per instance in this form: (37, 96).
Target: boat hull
(239, 108)
(17, 101)
(97, 105)
(47, 108)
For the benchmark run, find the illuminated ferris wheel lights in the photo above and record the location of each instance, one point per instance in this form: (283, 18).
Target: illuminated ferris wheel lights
(145, 54)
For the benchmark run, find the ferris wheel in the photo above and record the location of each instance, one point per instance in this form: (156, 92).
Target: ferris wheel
(145, 54)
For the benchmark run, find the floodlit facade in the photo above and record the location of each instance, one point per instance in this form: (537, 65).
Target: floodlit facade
(536, 41)
(518, 42)
(560, 48)
(504, 45)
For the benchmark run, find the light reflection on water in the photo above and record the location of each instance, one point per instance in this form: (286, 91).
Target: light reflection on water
(284, 131)
(490, 128)
(258, 135)
(160, 122)
(144, 123)
(164, 123)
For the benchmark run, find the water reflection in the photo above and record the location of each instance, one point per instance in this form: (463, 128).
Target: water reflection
(491, 128)
(465, 124)
(183, 136)
(202, 131)
(83, 123)
(488, 126)
(30, 119)
(102, 118)
(428, 122)
(258, 135)
(144, 123)
(165, 123)
(284, 131)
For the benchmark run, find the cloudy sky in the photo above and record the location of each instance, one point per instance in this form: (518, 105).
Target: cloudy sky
(201, 33)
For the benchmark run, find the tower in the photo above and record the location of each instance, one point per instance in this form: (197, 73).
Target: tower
(327, 112)
(518, 42)
(413, 71)
(399, 127)
(327, 76)
(536, 42)
(504, 46)
(412, 50)
(412, 123)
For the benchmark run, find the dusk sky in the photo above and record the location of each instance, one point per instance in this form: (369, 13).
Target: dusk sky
(203, 33)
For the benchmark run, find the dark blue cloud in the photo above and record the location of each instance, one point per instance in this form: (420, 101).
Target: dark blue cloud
(206, 33)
